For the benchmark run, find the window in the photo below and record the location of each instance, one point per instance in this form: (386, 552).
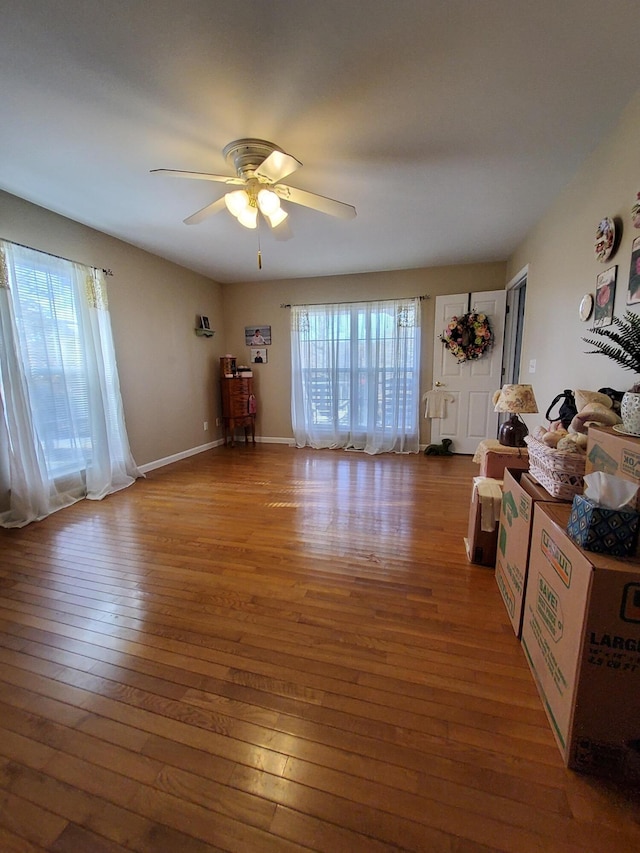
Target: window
(355, 375)
(62, 434)
(49, 334)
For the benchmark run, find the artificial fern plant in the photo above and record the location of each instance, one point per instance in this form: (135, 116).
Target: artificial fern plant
(625, 334)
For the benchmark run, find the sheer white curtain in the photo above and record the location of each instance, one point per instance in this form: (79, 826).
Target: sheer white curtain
(356, 375)
(62, 430)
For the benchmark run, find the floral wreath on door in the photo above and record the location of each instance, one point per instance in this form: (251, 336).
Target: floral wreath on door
(468, 337)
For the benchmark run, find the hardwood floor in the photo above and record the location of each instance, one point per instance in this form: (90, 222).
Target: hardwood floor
(270, 649)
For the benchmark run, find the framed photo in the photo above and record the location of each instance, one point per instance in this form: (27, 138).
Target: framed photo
(257, 336)
(633, 294)
(204, 322)
(605, 297)
(258, 355)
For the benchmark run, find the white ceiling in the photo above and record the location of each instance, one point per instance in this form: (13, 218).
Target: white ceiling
(451, 125)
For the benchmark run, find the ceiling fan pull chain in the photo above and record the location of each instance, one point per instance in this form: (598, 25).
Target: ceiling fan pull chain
(259, 248)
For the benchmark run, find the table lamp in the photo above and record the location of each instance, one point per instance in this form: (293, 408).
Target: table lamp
(515, 399)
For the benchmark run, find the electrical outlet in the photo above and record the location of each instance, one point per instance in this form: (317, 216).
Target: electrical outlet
(532, 365)
(206, 425)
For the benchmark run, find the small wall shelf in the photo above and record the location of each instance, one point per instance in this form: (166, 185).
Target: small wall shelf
(205, 333)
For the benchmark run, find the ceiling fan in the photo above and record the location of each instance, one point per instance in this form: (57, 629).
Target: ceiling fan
(259, 167)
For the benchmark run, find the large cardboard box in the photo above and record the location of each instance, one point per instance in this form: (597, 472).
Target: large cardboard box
(581, 637)
(613, 453)
(484, 514)
(519, 493)
(496, 460)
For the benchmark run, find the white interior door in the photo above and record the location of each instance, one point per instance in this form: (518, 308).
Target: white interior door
(470, 386)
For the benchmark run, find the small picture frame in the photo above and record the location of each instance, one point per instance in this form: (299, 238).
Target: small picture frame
(633, 293)
(258, 355)
(204, 322)
(605, 297)
(257, 336)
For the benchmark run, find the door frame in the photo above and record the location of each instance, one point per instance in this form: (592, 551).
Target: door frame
(514, 327)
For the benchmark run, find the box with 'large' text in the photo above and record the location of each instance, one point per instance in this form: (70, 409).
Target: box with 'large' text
(581, 637)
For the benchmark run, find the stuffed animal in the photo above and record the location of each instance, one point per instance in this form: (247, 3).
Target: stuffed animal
(439, 449)
(594, 407)
(615, 397)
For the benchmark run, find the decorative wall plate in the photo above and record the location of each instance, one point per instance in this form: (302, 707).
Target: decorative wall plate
(586, 307)
(605, 239)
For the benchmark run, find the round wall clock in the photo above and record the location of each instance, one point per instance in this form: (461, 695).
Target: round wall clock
(586, 307)
(605, 239)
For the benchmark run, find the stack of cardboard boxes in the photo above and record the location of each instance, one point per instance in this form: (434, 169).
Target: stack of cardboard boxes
(486, 498)
(578, 615)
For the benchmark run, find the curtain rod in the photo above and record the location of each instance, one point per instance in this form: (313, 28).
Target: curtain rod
(350, 302)
(59, 257)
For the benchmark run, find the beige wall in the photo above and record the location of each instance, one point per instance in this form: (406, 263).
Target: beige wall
(258, 304)
(562, 267)
(168, 375)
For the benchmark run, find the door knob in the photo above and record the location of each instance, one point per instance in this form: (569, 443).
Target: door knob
(440, 385)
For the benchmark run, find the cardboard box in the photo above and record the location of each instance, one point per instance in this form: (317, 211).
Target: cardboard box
(581, 637)
(519, 493)
(606, 531)
(496, 461)
(614, 453)
(484, 514)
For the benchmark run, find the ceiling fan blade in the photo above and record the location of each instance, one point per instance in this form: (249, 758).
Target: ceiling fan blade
(277, 166)
(197, 176)
(315, 201)
(205, 212)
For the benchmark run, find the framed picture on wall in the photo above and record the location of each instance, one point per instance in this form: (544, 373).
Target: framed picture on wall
(258, 355)
(605, 297)
(633, 294)
(204, 322)
(257, 336)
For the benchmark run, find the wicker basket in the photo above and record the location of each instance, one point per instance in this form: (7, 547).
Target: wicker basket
(559, 471)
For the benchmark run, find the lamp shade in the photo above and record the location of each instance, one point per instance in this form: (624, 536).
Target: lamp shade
(516, 399)
(268, 201)
(277, 217)
(236, 201)
(248, 217)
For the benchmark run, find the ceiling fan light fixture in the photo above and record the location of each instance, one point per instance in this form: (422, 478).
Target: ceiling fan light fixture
(248, 217)
(260, 167)
(277, 217)
(236, 202)
(268, 201)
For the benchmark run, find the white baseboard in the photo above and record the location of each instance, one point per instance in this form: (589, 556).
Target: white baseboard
(167, 460)
(269, 439)
(193, 451)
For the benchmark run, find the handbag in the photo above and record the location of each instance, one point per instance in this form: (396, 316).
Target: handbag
(567, 410)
